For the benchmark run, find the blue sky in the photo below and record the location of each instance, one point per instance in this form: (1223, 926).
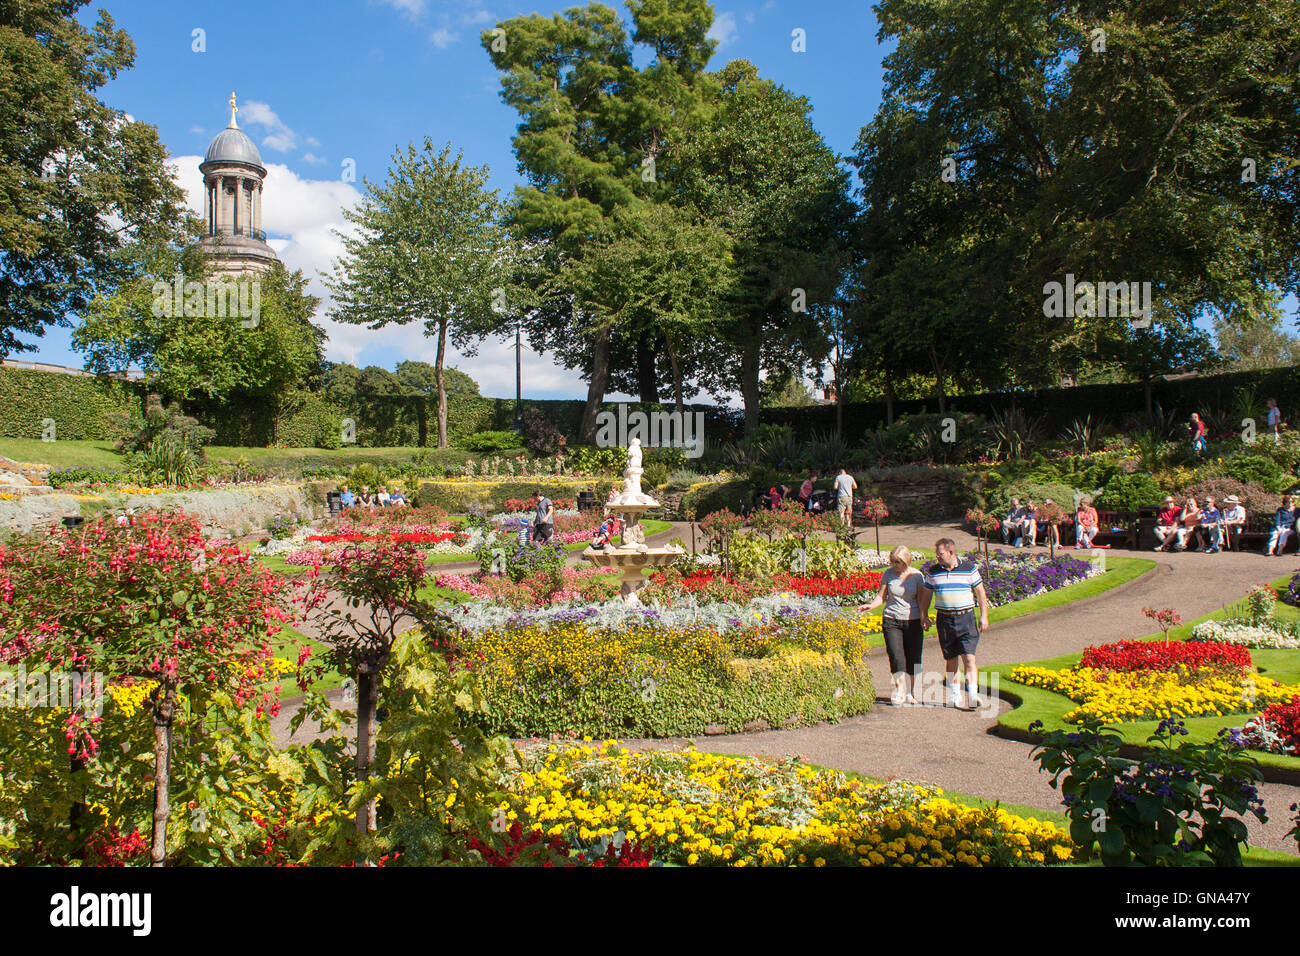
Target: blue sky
(324, 82)
(321, 82)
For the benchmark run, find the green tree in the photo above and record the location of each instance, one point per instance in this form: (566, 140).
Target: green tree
(429, 246)
(78, 181)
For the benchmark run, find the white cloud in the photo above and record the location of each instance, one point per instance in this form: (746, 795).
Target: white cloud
(279, 136)
(750, 17)
(311, 141)
(410, 8)
(197, 130)
(313, 159)
(724, 30)
(443, 38)
(478, 16)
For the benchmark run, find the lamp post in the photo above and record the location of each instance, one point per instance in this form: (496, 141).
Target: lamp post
(519, 378)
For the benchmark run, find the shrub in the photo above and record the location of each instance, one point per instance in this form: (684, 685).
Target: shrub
(683, 478)
(1254, 497)
(1254, 469)
(542, 438)
(1000, 500)
(590, 460)
(1130, 492)
(1172, 808)
(656, 474)
(491, 441)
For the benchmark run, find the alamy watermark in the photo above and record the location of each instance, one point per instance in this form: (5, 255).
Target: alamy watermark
(70, 690)
(213, 299)
(1125, 300)
(683, 430)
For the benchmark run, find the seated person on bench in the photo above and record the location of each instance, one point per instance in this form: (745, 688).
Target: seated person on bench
(1234, 522)
(1013, 523)
(1167, 522)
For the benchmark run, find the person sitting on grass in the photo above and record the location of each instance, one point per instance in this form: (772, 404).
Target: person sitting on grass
(1085, 521)
(1208, 535)
(1167, 521)
(1284, 521)
(1234, 522)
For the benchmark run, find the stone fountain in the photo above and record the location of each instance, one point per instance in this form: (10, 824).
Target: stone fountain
(632, 557)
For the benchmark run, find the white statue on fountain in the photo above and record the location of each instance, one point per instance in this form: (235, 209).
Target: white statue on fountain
(632, 493)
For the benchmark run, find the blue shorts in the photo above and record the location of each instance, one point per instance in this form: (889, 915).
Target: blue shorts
(958, 634)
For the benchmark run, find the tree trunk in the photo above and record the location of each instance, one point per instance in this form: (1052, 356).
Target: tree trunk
(367, 705)
(647, 384)
(596, 390)
(442, 386)
(1148, 391)
(889, 398)
(163, 714)
(939, 392)
(749, 362)
(677, 373)
(839, 406)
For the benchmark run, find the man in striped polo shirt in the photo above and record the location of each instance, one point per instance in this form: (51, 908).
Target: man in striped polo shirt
(956, 586)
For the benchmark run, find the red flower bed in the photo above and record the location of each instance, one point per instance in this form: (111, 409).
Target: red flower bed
(436, 537)
(813, 585)
(532, 849)
(1282, 719)
(1158, 655)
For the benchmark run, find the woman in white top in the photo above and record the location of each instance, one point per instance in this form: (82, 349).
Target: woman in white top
(903, 623)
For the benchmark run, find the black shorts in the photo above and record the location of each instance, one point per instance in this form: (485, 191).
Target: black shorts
(957, 633)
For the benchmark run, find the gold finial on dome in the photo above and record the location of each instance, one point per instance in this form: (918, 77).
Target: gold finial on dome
(233, 110)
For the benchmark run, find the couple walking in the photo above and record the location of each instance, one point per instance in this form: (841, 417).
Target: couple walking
(955, 588)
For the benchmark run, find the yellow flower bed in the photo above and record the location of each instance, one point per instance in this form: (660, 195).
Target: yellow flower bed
(1155, 694)
(705, 809)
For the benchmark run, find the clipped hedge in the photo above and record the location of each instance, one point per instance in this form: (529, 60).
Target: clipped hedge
(83, 407)
(791, 687)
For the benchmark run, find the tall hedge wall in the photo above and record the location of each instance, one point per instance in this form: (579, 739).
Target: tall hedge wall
(83, 408)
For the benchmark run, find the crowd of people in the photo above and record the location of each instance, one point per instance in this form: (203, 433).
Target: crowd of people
(813, 502)
(385, 498)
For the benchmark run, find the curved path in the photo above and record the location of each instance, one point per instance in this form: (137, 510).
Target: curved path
(953, 748)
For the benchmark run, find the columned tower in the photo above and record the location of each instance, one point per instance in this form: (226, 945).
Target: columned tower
(232, 205)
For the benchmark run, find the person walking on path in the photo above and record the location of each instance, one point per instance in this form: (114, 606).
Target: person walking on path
(1275, 420)
(845, 485)
(900, 590)
(1198, 434)
(544, 523)
(956, 586)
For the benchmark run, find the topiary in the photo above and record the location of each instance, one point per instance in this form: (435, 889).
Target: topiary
(1000, 500)
(1130, 492)
(491, 441)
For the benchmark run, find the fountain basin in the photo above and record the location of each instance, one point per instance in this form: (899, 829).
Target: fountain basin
(633, 563)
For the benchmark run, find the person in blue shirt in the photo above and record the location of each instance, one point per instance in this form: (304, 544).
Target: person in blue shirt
(347, 498)
(1284, 520)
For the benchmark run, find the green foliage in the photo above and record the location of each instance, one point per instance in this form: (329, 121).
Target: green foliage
(542, 437)
(490, 495)
(82, 408)
(1180, 805)
(656, 474)
(705, 500)
(590, 460)
(491, 441)
(1062, 495)
(1130, 492)
(1256, 469)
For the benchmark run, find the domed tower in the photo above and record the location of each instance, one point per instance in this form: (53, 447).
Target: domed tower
(232, 205)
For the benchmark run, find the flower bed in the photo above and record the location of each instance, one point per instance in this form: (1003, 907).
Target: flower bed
(409, 537)
(1160, 655)
(668, 586)
(1272, 634)
(1292, 595)
(1010, 577)
(708, 810)
(1134, 680)
(595, 672)
(574, 584)
(1276, 730)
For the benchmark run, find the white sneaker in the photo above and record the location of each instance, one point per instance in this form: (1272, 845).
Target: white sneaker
(973, 701)
(954, 697)
(896, 699)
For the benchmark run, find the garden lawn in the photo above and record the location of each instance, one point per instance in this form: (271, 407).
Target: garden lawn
(1035, 703)
(61, 454)
(1253, 856)
(1118, 571)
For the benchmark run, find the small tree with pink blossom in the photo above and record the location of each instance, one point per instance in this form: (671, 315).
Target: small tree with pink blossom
(875, 510)
(1166, 619)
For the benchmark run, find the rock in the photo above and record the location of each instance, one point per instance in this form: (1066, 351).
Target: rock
(755, 725)
(713, 730)
(13, 479)
(793, 721)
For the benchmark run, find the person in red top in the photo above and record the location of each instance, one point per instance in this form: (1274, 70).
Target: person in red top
(1085, 520)
(1198, 434)
(1167, 522)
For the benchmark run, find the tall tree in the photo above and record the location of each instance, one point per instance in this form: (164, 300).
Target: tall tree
(429, 246)
(78, 181)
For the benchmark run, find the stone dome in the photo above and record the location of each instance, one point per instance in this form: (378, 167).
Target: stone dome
(232, 146)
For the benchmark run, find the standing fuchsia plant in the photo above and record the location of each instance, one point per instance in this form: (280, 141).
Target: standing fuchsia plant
(150, 602)
(875, 510)
(1166, 619)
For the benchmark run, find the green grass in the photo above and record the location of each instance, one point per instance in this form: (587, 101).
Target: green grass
(1036, 703)
(62, 454)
